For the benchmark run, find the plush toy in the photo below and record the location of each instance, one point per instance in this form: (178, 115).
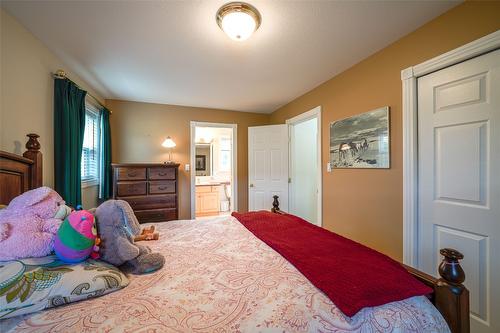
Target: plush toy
(62, 212)
(76, 238)
(147, 234)
(118, 227)
(28, 225)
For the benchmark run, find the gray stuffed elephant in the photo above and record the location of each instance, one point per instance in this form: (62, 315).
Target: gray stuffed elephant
(117, 226)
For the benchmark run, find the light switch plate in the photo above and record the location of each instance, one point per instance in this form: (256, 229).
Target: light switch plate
(186, 167)
(329, 167)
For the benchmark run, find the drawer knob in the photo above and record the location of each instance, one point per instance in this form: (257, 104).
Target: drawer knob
(162, 188)
(132, 174)
(162, 173)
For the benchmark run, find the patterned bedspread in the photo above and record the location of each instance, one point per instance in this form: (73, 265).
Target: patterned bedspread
(218, 277)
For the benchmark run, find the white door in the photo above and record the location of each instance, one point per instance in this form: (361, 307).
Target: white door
(304, 180)
(267, 166)
(459, 178)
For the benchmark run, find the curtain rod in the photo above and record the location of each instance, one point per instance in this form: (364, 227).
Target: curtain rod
(60, 74)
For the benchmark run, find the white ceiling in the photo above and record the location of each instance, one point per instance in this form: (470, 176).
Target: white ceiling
(173, 52)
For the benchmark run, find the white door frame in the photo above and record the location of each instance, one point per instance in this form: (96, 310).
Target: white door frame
(234, 166)
(314, 113)
(409, 77)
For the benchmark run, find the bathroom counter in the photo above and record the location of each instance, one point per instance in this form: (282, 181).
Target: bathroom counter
(213, 183)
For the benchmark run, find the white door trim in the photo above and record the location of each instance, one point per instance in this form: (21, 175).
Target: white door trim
(234, 166)
(314, 113)
(410, 142)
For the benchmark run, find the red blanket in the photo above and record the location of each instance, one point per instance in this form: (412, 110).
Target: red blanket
(352, 275)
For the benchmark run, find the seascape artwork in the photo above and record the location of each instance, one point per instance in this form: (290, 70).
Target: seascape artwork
(361, 141)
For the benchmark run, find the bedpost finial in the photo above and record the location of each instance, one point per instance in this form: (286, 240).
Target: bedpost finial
(276, 204)
(33, 144)
(450, 269)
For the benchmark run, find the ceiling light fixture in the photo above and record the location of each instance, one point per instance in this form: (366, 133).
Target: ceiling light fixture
(238, 20)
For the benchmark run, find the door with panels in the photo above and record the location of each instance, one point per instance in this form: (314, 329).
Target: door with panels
(459, 177)
(267, 166)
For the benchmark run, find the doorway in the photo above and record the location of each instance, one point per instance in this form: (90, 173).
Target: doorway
(213, 169)
(285, 160)
(304, 188)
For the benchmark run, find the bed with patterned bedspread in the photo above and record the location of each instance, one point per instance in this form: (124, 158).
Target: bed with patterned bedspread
(219, 277)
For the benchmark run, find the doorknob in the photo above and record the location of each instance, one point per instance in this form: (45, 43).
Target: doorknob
(251, 185)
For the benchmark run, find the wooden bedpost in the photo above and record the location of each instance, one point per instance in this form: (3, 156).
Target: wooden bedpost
(276, 204)
(33, 153)
(451, 296)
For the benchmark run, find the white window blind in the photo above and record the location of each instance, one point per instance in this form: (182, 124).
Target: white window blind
(225, 155)
(90, 151)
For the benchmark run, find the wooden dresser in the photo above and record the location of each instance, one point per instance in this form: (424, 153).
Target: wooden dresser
(151, 189)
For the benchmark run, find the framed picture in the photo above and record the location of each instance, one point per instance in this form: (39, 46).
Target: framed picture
(361, 141)
(201, 163)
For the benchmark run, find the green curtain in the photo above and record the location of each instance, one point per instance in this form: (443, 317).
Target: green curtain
(106, 185)
(69, 128)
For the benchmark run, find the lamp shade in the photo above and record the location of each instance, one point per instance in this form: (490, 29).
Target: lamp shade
(168, 143)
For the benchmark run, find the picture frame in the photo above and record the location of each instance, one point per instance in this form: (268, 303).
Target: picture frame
(201, 164)
(361, 141)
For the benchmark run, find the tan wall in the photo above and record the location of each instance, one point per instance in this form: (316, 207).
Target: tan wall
(366, 205)
(138, 129)
(27, 94)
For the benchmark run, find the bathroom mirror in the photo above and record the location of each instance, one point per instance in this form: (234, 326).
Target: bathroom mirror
(203, 161)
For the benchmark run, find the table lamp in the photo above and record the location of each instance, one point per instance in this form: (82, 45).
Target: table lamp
(169, 143)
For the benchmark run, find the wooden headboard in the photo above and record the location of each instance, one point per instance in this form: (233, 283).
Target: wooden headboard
(18, 173)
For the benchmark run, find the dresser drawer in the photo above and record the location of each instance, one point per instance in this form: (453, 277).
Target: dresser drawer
(156, 215)
(160, 187)
(151, 201)
(151, 189)
(124, 189)
(131, 173)
(161, 173)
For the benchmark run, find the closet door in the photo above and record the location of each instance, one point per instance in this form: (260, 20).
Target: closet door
(459, 177)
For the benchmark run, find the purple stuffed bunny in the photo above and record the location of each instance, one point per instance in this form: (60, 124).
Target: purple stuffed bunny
(28, 224)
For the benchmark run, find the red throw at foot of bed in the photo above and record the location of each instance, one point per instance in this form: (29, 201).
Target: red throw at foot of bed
(352, 275)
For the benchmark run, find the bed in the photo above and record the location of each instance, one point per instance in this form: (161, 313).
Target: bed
(219, 277)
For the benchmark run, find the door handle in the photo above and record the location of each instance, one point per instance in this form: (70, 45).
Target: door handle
(251, 185)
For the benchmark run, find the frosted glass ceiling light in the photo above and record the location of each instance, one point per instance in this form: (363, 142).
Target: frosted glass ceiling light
(238, 20)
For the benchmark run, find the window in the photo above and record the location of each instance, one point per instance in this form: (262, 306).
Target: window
(90, 151)
(225, 155)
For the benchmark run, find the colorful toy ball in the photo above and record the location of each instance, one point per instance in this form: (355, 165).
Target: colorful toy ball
(76, 237)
